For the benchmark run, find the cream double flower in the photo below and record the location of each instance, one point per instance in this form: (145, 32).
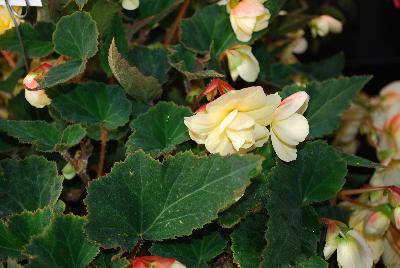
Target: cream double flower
(247, 16)
(237, 122)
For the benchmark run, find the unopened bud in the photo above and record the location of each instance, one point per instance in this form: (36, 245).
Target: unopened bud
(377, 223)
(156, 262)
(68, 171)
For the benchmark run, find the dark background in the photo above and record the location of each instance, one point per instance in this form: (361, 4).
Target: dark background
(371, 43)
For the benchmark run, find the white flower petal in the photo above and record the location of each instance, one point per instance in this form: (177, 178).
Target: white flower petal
(241, 35)
(284, 151)
(242, 121)
(227, 121)
(295, 103)
(330, 248)
(249, 69)
(292, 130)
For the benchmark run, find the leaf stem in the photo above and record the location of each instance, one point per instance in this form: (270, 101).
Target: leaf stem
(174, 28)
(361, 191)
(102, 151)
(136, 249)
(75, 163)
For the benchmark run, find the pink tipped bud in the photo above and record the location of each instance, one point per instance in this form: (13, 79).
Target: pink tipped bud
(377, 223)
(30, 82)
(156, 262)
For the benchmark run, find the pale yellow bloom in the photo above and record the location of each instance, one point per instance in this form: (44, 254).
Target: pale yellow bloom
(242, 62)
(235, 122)
(5, 19)
(289, 127)
(247, 16)
(130, 4)
(323, 25)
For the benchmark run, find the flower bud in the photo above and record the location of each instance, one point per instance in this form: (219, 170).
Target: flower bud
(156, 262)
(35, 96)
(247, 16)
(68, 171)
(323, 25)
(242, 62)
(130, 4)
(377, 223)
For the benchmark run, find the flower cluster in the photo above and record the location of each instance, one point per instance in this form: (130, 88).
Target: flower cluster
(237, 122)
(250, 16)
(385, 123)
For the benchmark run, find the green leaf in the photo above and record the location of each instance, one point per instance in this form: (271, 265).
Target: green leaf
(313, 262)
(109, 260)
(150, 8)
(293, 227)
(63, 73)
(47, 137)
(153, 201)
(160, 129)
(328, 100)
(357, 161)
(103, 12)
(136, 84)
(19, 229)
(194, 253)
(282, 74)
(76, 37)
(185, 62)
(8, 84)
(209, 29)
(247, 241)
(94, 103)
(251, 202)
(116, 32)
(37, 40)
(28, 184)
(150, 62)
(63, 244)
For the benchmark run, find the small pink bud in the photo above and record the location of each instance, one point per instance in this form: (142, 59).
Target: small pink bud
(156, 262)
(377, 223)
